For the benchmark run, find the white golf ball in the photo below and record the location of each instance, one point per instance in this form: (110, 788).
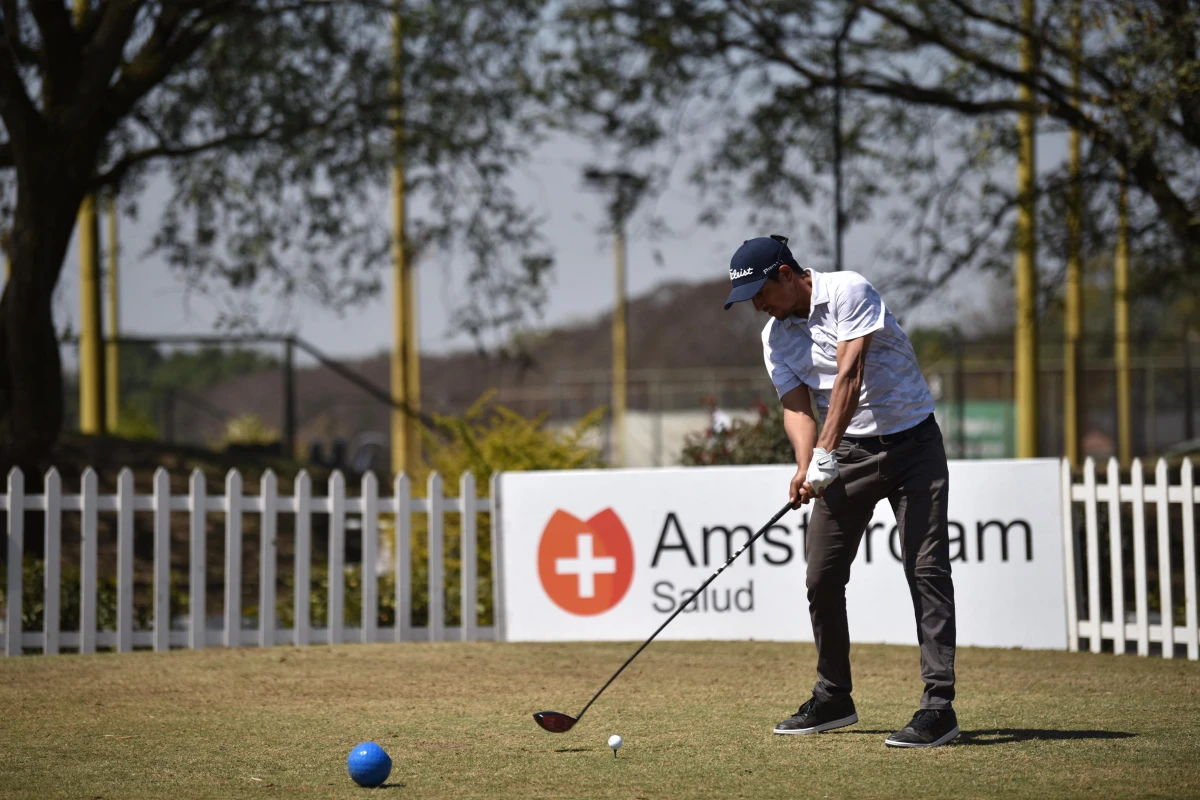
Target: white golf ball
(615, 741)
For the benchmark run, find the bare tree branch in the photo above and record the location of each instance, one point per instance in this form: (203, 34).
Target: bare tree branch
(103, 51)
(20, 115)
(168, 46)
(114, 175)
(10, 22)
(60, 48)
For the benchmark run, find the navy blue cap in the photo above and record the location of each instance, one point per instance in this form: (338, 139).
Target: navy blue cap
(753, 262)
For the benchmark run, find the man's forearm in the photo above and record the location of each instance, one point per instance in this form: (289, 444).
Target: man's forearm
(801, 431)
(843, 402)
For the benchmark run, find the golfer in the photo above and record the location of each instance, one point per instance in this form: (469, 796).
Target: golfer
(830, 334)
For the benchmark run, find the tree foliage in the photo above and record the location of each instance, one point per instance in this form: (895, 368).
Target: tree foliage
(744, 88)
(274, 122)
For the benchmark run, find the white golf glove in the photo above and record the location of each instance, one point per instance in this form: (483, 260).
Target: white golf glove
(822, 470)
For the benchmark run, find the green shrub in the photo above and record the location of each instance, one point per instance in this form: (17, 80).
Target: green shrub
(135, 423)
(487, 439)
(761, 441)
(247, 429)
(33, 605)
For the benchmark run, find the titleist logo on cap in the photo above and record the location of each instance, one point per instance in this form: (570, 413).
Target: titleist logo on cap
(734, 274)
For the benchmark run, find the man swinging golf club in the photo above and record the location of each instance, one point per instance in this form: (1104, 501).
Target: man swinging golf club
(832, 335)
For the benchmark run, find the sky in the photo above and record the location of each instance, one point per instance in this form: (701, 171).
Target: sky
(154, 302)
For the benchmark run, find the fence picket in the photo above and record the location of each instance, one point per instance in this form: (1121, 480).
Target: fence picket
(1116, 560)
(1093, 552)
(1187, 481)
(16, 562)
(125, 561)
(437, 597)
(1162, 510)
(52, 585)
(468, 616)
(498, 609)
(269, 491)
(197, 562)
(337, 556)
(1068, 533)
(88, 534)
(403, 555)
(370, 554)
(233, 558)
(301, 632)
(1137, 480)
(162, 560)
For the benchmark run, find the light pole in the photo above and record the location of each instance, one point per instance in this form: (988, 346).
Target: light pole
(624, 190)
(839, 216)
(405, 360)
(1025, 338)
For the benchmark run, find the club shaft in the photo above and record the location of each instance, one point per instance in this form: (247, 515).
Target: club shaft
(778, 516)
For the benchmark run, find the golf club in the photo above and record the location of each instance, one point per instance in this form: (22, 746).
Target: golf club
(557, 722)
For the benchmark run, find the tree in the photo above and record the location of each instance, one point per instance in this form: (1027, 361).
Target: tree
(932, 93)
(273, 120)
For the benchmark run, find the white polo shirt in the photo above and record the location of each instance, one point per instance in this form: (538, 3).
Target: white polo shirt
(845, 306)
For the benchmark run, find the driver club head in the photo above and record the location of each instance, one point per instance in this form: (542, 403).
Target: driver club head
(554, 722)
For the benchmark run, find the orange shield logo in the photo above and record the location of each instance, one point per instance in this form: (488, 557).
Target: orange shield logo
(585, 567)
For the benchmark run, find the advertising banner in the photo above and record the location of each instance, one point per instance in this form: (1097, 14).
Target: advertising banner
(609, 554)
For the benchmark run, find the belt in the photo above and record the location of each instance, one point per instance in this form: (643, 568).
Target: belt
(892, 438)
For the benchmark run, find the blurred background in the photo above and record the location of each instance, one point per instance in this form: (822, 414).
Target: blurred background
(316, 232)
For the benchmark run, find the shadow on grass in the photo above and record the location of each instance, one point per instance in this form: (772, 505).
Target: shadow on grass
(1007, 735)
(573, 749)
(1011, 735)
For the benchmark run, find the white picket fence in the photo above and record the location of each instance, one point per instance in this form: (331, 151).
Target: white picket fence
(198, 503)
(1139, 624)
(1129, 618)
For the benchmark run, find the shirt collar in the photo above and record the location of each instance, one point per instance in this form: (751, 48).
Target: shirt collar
(820, 292)
(820, 295)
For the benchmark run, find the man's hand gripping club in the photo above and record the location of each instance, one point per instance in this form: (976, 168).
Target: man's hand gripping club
(809, 484)
(816, 472)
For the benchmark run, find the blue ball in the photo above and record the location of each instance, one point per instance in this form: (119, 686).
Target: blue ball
(368, 764)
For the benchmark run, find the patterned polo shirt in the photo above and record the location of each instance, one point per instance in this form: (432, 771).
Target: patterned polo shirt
(845, 306)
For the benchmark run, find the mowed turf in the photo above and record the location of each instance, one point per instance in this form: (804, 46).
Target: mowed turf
(696, 718)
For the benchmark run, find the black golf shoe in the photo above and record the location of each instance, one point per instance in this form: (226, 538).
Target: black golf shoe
(820, 715)
(929, 728)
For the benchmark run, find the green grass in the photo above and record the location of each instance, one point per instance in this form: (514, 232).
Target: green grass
(696, 718)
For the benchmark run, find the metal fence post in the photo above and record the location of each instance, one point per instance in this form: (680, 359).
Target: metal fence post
(1189, 398)
(289, 398)
(960, 394)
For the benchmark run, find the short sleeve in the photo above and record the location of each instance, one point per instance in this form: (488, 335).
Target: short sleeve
(857, 309)
(783, 376)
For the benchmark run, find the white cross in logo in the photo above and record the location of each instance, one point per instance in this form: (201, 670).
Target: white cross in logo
(586, 565)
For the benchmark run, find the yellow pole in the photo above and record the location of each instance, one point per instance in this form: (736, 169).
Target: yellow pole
(620, 353)
(405, 370)
(1121, 345)
(1026, 355)
(1073, 328)
(91, 419)
(413, 362)
(112, 364)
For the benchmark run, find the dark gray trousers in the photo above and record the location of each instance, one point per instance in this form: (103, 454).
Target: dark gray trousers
(913, 476)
